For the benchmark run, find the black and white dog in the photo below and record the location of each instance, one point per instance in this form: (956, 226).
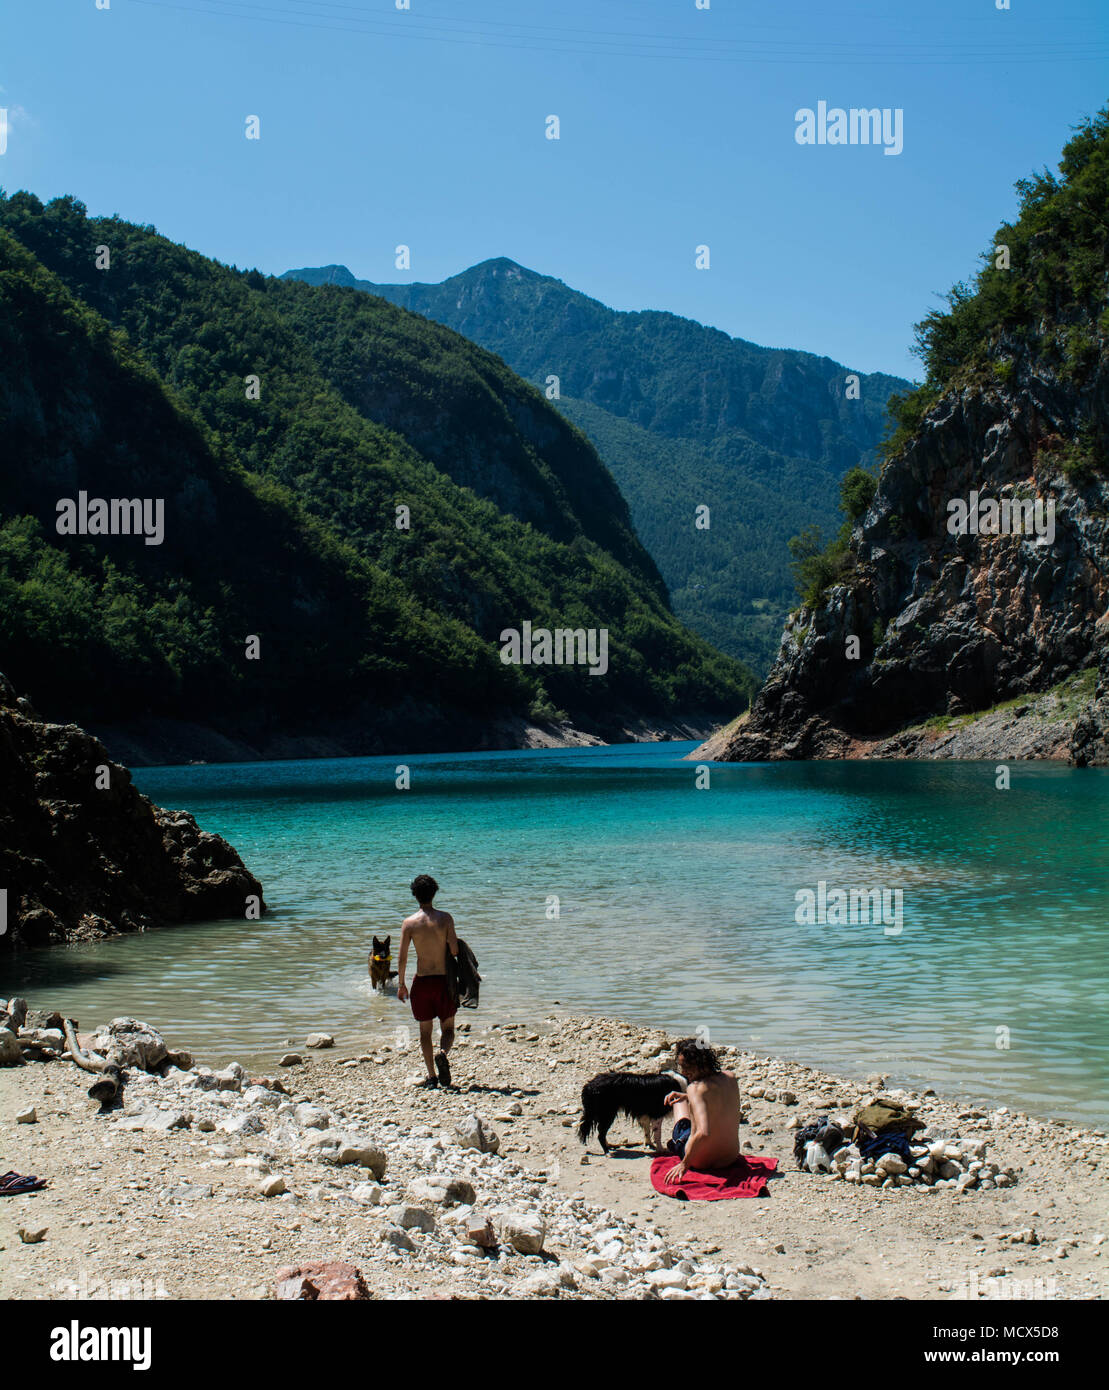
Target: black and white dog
(638, 1097)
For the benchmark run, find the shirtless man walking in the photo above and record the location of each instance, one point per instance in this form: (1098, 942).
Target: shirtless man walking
(432, 934)
(706, 1117)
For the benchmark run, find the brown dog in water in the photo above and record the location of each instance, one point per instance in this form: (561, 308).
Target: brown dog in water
(380, 957)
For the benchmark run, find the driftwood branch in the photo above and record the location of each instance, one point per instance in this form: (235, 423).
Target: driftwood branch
(104, 1089)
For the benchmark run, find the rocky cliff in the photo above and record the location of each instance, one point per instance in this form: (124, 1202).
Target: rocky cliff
(942, 606)
(84, 855)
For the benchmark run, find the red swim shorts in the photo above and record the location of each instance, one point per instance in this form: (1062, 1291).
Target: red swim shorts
(432, 998)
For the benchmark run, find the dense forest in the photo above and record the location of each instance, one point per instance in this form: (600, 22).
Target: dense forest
(287, 430)
(684, 416)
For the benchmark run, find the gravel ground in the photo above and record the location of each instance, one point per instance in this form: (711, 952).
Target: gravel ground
(165, 1196)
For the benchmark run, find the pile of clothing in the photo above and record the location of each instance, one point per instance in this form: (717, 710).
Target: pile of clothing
(884, 1127)
(877, 1147)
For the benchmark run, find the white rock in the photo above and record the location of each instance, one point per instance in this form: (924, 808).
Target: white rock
(312, 1116)
(366, 1156)
(441, 1190)
(273, 1187)
(319, 1040)
(261, 1095)
(399, 1239)
(542, 1284)
(413, 1218)
(255, 1162)
(165, 1120)
(27, 1116)
(243, 1124)
(130, 1043)
(524, 1231)
(471, 1133)
(478, 1230)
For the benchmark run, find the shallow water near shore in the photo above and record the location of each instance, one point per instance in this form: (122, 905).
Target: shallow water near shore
(677, 908)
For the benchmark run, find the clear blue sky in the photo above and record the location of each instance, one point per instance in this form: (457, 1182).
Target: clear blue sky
(426, 127)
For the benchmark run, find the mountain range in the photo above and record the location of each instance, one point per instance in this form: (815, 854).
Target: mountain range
(357, 503)
(685, 417)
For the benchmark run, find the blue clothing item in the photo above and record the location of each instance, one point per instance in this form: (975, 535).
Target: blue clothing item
(890, 1142)
(682, 1130)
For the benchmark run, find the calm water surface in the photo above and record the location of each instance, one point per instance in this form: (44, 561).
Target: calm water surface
(677, 908)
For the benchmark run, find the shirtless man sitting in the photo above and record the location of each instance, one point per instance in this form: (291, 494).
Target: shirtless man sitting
(432, 934)
(706, 1117)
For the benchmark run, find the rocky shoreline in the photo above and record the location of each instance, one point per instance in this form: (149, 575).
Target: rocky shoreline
(1058, 725)
(165, 742)
(84, 855)
(207, 1183)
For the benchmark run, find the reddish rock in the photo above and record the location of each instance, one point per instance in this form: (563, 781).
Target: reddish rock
(322, 1279)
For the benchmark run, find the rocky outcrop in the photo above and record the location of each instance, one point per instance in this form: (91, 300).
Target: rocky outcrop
(83, 854)
(1089, 742)
(979, 572)
(931, 623)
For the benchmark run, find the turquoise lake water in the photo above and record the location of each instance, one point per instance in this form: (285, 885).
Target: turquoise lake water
(677, 907)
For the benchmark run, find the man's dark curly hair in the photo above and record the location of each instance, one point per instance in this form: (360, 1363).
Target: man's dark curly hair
(424, 888)
(698, 1056)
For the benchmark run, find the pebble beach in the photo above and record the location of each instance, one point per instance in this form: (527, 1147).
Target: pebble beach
(223, 1183)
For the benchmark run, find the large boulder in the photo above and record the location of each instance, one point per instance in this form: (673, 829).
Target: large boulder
(128, 1042)
(83, 854)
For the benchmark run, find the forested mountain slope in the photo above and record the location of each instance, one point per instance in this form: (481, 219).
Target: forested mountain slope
(684, 416)
(286, 431)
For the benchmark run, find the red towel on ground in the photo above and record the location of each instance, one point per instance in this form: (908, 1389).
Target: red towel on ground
(745, 1178)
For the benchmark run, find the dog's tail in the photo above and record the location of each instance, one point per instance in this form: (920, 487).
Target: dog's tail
(587, 1127)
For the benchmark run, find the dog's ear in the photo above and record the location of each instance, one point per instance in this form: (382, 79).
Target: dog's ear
(385, 943)
(377, 944)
